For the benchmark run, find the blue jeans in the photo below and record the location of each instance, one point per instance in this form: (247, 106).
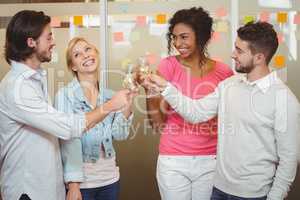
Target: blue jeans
(219, 195)
(108, 192)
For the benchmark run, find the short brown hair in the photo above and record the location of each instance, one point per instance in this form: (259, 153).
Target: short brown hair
(261, 37)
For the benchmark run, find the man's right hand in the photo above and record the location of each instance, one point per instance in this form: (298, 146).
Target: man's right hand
(74, 192)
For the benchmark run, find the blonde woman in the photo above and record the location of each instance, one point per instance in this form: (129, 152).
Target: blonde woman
(89, 163)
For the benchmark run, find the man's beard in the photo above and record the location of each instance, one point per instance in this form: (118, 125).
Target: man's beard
(245, 69)
(42, 56)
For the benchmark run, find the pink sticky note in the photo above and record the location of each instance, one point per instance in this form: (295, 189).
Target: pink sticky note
(216, 36)
(297, 19)
(55, 22)
(264, 16)
(151, 59)
(221, 12)
(141, 21)
(118, 36)
(280, 38)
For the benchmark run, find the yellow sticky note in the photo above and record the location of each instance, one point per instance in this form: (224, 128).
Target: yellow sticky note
(161, 19)
(279, 61)
(249, 18)
(78, 20)
(125, 63)
(222, 26)
(282, 17)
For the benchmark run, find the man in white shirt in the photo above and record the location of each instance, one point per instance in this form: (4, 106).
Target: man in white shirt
(258, 121)
(30, 160)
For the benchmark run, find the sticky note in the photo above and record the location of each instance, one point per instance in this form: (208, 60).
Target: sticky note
(135, 36)
(161, 19)
(78, 20)
(125, 63)
(297, 19)
(279, 61)
(264, 16)
(248, 19)
(281, 17)
(280, 38)
(221, 12)
(151, 58)
(216, 36)
(55, 22)
(118, 36)
(222, 26)
(141, 21)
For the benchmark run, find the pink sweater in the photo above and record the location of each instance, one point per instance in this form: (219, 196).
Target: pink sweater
(178, 136)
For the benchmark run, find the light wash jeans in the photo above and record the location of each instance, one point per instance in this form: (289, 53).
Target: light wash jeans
(185, 177)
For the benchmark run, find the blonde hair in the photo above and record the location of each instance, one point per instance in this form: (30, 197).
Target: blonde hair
(70, 47)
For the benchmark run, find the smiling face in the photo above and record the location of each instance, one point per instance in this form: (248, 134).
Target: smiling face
(85, 58)
(242, 55)
(44, 45)
(184, 40)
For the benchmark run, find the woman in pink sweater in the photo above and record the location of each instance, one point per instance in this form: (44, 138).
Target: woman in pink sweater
(186, 161)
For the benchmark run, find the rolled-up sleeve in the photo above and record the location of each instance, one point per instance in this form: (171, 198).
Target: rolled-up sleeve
(28, 106)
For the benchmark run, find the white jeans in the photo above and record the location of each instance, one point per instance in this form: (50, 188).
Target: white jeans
(185, 177)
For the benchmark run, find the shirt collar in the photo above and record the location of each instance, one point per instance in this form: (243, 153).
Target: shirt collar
(263, 83)
(27, 72)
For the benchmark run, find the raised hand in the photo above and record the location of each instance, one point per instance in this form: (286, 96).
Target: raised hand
(120, 100)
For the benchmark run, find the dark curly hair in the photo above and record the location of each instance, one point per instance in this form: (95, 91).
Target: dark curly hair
(23, 25)
(201, 23)
(261, 37)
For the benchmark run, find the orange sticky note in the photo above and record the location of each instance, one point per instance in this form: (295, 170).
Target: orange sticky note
(161, 19)
(221, 12)
(280, 38)
(264, 16)
(55, 22)
(151, 59)
(297, 19)
(248, 19)
(279, 61)
(141, 21)
(118, 36)
(78, 20)
(282, 17)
